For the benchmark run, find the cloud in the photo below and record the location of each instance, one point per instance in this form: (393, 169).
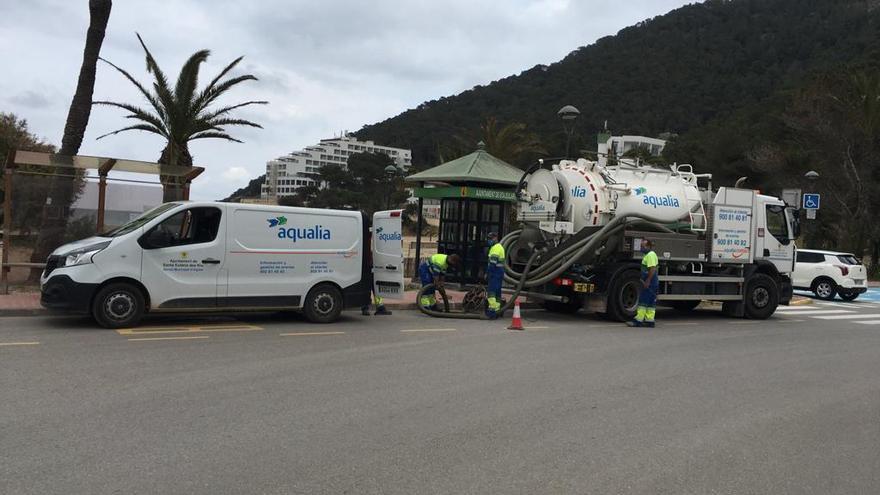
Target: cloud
(30, 99)
(236, 174)
(324, 66)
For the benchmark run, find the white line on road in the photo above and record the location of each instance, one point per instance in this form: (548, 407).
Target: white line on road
(822, 312)
(795, 308)
(856, 316)
(875, 322)
(10, 344)
(423, 330)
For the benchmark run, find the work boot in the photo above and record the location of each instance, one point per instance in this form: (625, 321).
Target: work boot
(381, 310)
(634, 323)
(436, 308)
(649, 324)
(492, 315)
(365, 310)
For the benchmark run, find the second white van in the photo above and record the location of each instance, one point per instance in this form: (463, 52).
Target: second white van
(210, 256)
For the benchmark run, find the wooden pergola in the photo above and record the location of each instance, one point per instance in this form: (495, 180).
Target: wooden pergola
(54, 165)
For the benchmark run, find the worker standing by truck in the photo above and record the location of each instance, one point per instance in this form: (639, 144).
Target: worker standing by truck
(650, 285)
(494, 276)
(432, 271)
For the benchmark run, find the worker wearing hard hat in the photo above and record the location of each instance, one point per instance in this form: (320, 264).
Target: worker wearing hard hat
(494, 275)
(432, 271)
(650, 285)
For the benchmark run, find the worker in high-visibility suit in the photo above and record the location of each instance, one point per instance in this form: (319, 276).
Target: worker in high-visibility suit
(433, 270)
(650, 285)
(494, 275)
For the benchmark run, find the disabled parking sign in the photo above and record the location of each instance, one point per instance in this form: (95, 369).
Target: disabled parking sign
(811, 201)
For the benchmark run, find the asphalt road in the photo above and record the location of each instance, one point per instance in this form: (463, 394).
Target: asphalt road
(408, 404)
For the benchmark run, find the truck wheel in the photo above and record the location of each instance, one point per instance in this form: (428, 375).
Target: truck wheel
(762, 297)
(623, 296)
(118, 306)
(572, 306)
(825, 289)
(323, 304)
(685, 306)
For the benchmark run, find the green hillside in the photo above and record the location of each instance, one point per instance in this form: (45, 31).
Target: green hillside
(668, 74)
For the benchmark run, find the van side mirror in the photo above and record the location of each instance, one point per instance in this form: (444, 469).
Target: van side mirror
(155, 239)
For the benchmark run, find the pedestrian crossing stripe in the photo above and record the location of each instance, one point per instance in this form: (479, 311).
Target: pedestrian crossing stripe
(849, 316)
(821, 312)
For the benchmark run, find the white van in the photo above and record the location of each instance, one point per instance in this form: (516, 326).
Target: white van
(209, 256)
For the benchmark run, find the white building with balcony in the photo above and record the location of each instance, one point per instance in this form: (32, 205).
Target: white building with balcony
(617, 146)
(286, 174)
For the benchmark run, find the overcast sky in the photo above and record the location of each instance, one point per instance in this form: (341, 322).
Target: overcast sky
(325, 66)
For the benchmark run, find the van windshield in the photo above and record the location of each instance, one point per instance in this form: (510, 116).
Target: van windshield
(140, 221)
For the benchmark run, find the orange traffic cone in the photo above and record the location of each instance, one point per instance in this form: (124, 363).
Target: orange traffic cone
(516, 324)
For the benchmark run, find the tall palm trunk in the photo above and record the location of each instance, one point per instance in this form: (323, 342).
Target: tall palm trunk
(64, 189)
(172, 184)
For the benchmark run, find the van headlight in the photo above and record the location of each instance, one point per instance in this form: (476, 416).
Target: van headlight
(83, 255)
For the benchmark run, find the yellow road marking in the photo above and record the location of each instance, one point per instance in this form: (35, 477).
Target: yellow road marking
(145, 339)
(423, 330)
(5, 344)
(188, 329)
(305, 334)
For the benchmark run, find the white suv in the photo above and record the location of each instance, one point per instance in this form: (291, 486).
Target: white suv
(828, 273)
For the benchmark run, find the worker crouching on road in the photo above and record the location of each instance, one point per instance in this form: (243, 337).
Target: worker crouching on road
(379, 303)
(433, 271)
(494, 276)
(650, 285)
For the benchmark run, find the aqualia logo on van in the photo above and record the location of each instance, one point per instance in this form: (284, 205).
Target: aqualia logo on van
(578, 192)
(663, 201)
(394, 236)
(318, 232)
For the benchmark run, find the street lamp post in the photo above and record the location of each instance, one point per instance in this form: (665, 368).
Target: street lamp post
(568, 114)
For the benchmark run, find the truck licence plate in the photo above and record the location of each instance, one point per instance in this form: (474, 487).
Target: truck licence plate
(584, 288)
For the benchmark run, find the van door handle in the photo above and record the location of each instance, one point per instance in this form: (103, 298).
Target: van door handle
(210, 261)
(390, 267)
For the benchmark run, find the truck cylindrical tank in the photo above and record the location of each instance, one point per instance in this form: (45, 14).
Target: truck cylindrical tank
(592, 195)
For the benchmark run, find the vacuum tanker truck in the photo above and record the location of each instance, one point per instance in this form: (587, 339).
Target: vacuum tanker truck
(582, 222)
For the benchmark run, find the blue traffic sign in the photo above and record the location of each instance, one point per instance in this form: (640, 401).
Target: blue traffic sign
(811, 201)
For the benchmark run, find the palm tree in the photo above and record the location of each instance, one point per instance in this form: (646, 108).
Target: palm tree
(64, 188)
(512, 143)
(182, 114)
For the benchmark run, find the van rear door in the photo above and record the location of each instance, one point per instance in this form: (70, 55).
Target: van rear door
(387, 250)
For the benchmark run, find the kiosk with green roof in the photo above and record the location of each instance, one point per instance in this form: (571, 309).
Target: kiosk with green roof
(475, 193)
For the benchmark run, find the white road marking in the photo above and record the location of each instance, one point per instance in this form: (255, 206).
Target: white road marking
(875, 322)
(794, 308)
(856, 316)
(822, 312)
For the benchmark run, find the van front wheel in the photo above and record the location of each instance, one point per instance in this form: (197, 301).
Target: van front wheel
(323, 304)
(118, 306)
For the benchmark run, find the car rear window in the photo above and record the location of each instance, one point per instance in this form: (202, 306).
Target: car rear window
(807, 257)
(848, 259)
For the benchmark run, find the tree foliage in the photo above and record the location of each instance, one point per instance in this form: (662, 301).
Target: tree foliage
(671, 73)
(15, 135)
(183, 113)
(511, 142)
